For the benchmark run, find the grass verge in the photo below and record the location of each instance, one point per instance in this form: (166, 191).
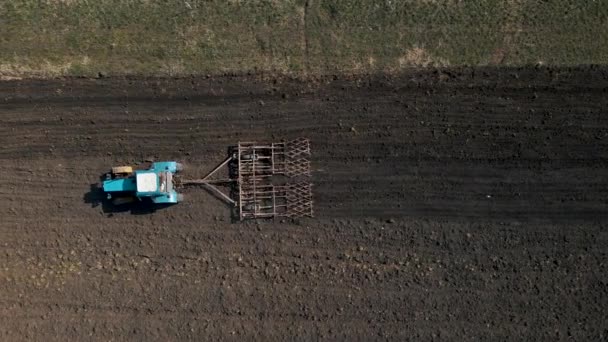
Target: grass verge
(45, 38)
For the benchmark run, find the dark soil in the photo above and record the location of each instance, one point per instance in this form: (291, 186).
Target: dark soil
(465, 204)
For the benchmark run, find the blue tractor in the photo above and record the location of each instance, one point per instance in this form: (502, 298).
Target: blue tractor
(125, 185)
(259, 180)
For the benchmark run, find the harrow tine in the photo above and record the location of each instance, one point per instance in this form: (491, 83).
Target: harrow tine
(258, 163)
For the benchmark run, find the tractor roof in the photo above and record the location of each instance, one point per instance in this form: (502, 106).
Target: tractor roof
(146, 181)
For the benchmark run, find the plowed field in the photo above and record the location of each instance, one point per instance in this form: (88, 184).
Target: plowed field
(467, 204)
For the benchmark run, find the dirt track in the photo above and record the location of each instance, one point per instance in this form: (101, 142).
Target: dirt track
(457, 205)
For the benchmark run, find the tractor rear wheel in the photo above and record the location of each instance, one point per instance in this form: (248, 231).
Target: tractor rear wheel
(122, 200)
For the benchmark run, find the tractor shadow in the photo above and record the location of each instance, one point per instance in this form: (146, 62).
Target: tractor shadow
(96, 197)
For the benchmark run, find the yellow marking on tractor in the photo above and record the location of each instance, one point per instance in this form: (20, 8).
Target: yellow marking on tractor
(121, 170)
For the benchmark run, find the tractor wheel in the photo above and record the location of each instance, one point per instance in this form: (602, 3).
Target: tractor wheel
(122, 200)
(122, 170)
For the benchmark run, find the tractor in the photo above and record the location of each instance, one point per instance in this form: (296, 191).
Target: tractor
(125, 185)
(264, 180)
